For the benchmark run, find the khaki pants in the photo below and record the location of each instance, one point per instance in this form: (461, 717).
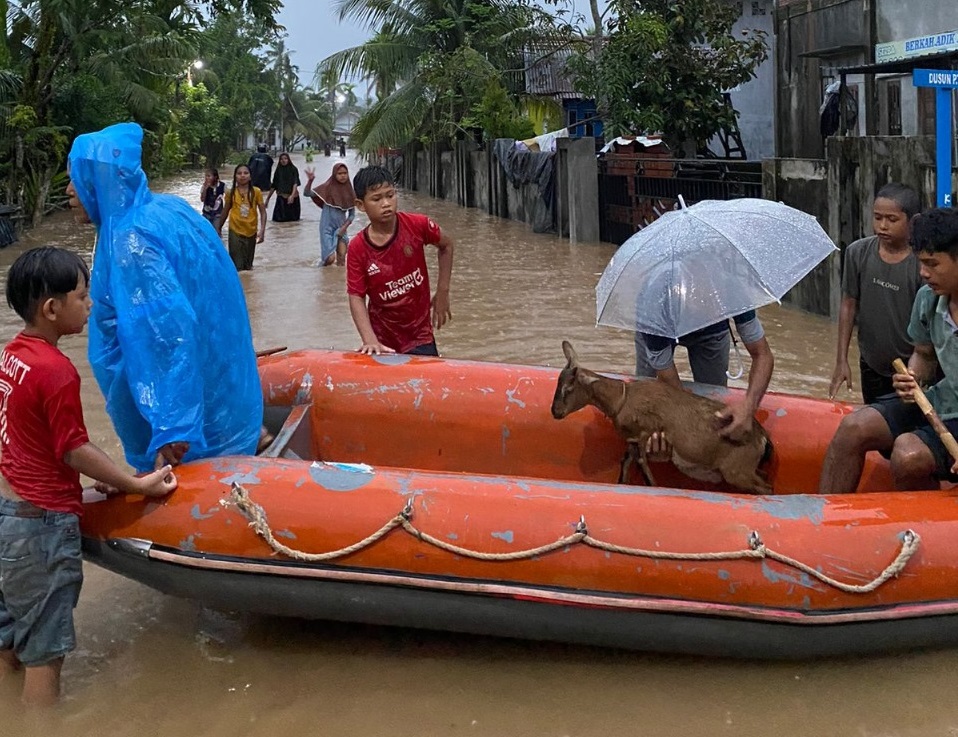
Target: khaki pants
(242, 249)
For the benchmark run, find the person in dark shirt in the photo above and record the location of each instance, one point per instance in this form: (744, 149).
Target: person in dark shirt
(261, 168)
(708, 351)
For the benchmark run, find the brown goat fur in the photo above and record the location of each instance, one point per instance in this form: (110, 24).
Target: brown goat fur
(640, 408)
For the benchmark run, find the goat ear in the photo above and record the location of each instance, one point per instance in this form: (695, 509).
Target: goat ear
(570, 354)
(586, 378)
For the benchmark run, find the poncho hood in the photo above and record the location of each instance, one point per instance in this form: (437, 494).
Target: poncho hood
(106, 171)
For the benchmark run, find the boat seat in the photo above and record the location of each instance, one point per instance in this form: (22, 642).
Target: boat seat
(290, 427)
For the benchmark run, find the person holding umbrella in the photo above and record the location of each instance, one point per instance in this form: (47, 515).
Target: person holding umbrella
(708, 351)
(682, 278)
(898, 428)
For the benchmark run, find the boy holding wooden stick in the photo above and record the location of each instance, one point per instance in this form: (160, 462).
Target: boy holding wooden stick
(899, 429)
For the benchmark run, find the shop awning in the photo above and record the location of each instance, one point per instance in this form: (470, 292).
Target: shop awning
(945, 60)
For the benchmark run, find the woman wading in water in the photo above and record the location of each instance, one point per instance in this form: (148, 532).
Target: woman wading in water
(338, 201)
(246, 213)
(286, 188)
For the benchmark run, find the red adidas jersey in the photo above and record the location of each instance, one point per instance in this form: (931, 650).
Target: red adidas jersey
(395, 280)
(41, 420)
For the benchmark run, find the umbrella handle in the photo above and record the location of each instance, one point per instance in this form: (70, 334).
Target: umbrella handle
(741, 364)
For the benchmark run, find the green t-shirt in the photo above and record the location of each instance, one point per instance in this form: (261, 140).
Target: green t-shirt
(931, 322)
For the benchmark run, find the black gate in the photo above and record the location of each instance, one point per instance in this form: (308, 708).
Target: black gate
(634, 191)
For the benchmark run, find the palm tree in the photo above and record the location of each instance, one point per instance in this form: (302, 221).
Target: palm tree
(431, 60)
(306, 116)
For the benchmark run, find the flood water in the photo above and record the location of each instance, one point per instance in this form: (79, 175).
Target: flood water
(148, 664)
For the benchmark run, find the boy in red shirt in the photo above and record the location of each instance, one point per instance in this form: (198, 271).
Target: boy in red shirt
(45, 448)
(386, 277)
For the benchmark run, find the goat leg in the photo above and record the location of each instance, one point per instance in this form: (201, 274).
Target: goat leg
(637, 447)
(635, 451)
(627, 460)
(646, 471)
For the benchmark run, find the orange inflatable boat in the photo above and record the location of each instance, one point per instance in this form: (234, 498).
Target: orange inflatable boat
(437, 493)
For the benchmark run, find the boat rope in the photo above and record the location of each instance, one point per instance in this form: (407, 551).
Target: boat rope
(757, 550)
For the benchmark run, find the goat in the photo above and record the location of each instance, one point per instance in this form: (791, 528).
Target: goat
(640, 408)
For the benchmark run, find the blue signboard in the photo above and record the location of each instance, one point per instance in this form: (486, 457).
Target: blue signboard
(945, 82)
(935, 78)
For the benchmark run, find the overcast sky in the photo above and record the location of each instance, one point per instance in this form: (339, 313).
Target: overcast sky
(315, 32)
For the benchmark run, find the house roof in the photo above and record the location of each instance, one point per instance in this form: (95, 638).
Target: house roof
(546, 73)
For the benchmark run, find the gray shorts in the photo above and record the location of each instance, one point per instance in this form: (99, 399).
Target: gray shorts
(708, 357)
(40, 578)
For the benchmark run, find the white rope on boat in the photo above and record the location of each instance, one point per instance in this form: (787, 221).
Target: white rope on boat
(757, 550)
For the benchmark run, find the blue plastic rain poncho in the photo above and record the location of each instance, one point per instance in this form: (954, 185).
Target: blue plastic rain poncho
(170, 340)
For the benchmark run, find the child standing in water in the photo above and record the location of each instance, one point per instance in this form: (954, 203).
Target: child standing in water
(44, 448)
(386, 276)
(338, 201)
(211, 195)
(879, 284)
(246, 213)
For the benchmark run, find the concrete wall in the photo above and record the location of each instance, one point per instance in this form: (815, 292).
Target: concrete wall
(577, 190)
(813, 39)
(898, 19)
(840, 191)
(754, 99)
(473, 177)
(859, 167)
(803, 184)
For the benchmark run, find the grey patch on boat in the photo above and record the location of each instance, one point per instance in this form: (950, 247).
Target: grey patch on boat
(392, 359)
(195, 512)
(341, 476)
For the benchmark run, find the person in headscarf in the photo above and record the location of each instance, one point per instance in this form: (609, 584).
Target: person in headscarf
(338, 201)
(170, 340)
(286, 188)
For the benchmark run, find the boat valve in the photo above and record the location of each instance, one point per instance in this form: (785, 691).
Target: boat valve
(406, 512)
(582, 528)
(755, 540)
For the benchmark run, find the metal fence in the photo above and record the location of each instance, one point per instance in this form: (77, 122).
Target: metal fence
(634, 191)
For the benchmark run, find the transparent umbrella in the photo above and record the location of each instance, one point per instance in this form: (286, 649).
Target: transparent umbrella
(716, 259)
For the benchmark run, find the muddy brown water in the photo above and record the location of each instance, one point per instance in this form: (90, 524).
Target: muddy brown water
(149, 664)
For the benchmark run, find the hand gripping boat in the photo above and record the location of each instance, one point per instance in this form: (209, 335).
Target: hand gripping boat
(442, 494)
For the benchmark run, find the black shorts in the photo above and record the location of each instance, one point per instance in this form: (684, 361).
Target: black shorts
(875, 386)
(426, 349)
(904, 417)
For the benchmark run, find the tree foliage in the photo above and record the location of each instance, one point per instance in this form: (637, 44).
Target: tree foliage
(433, 62)
(664, 65)
(70, 66)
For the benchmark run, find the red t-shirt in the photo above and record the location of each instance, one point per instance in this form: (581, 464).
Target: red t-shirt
(41, 420)
(395, 280)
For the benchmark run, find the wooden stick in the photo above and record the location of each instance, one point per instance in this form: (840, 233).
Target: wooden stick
(270, 351)
(933, 419)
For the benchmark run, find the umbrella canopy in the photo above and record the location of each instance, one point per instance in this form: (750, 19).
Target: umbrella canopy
(701, 264)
